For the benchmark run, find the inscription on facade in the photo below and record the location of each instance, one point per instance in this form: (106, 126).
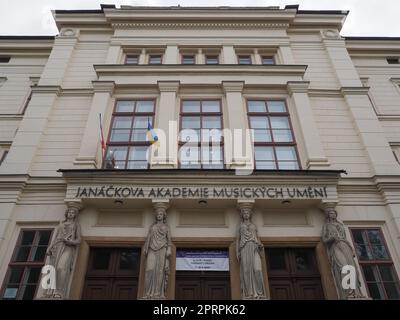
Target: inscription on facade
(262, 192)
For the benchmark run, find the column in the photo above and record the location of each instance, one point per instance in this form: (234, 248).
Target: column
(238, 146)
(165, 155)
(90, 153)
(257, 57)
(142, 57)
(157, 250)
(200, 58)
(171, 54)
(314, 155)
(62, 252)
(229, 55)
(341, 255)
(250, 252)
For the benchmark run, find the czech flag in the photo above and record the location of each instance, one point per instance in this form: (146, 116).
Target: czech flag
(153, 138)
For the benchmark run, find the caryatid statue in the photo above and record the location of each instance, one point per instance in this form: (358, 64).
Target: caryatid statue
(157, 250)
(62, 252)
(341, 254)
(248, 250)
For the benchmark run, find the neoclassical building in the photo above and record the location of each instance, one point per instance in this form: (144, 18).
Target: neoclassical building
(199, 153)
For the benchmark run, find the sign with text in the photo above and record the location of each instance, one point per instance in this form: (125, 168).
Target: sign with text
(202, 260)
(201, 192)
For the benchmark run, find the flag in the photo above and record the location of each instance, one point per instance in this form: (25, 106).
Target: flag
(153, 138)
(103, 142)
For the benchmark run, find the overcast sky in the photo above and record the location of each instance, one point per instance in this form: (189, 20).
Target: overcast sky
(367, 17)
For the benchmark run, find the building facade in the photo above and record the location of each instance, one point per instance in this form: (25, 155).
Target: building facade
(199, 153)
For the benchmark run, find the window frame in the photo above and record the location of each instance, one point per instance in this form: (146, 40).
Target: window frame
(24, 264)
(152, 55)
(211, 56)
(132, 55)
(128, 144)
(185, 55)
(267, 57)
(201, 114)
(244, 56)
(377, 263)
(272, 143)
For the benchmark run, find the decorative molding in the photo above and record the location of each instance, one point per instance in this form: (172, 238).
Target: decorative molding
(2, 80)
(168, 86)
(298, 86)
(330, 34)
(47, 89)
(233, 86)
(198, 25)
(69, 32)
(103, 86)
(354, 90)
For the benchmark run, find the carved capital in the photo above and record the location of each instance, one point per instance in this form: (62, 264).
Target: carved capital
(297, 86)
(74, 204)
(160, 205)
(168, 86)
(233, 86)
(104, 86)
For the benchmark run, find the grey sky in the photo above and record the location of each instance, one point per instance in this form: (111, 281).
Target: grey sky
(367, 17)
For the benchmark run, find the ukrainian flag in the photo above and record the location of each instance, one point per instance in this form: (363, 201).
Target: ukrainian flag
(152, 136)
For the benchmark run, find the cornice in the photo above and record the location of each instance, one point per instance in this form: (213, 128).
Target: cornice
(298, 86)
(199, 25)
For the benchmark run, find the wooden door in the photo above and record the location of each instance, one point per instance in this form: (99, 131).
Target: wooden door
(112, 274)
(293, 274)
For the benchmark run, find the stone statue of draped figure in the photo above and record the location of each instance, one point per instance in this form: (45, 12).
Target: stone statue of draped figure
(248, 250)
(62, 252)
(157, 250)
(340, 254)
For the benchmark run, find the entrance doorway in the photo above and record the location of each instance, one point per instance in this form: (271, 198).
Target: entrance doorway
(293, 274)
(202, 274)
(112, 274)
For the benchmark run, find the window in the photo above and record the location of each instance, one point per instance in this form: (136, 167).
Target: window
(201, 144)
(376, 264)
(3, 156)
(128, 143)
(245, 59)
(26, 264)
(4, 59)
(393, 60)
(188, 59)
(155, 59)
(212, 59)
(267, 60)
(132, 59)
(274, 143)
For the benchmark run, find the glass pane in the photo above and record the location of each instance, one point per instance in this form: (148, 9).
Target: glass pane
(363, 252)
(137, 165)
(188, 60)
(303, 260)
(387, 273)
(211, 135)
(211, 122)
(27, 237)
(117, 153)
(28, 292)
(155, 59)
(375, 237)
(370, 273)
(142, 122)
(210, 106)
(265, 165)
(288, 165)
(138, 153)
(119, 164)
(122, 122)
(359, 236)
(16, 275)
(132, 60)
(279, 123)
(256, 106)
(267, 60)
(212, 60)
(128, 259)
(211, 154)
(125, 106)
(276, 259)
(23, 253)
(190, 135)
(10, 292)
(32, 276)
(244, 60)
(276, 106)
(259, 122)
(189, 153)
(119, 135)
(375, 291)
(139, 135)
(261, 135)
(145, 106)
(392, 290)
(285, 153)
(264, 153)
(39, 253)
(282, 135)
(379, 252)
(190, 106)
(101, 259)
(44, 238)
(190, 122)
